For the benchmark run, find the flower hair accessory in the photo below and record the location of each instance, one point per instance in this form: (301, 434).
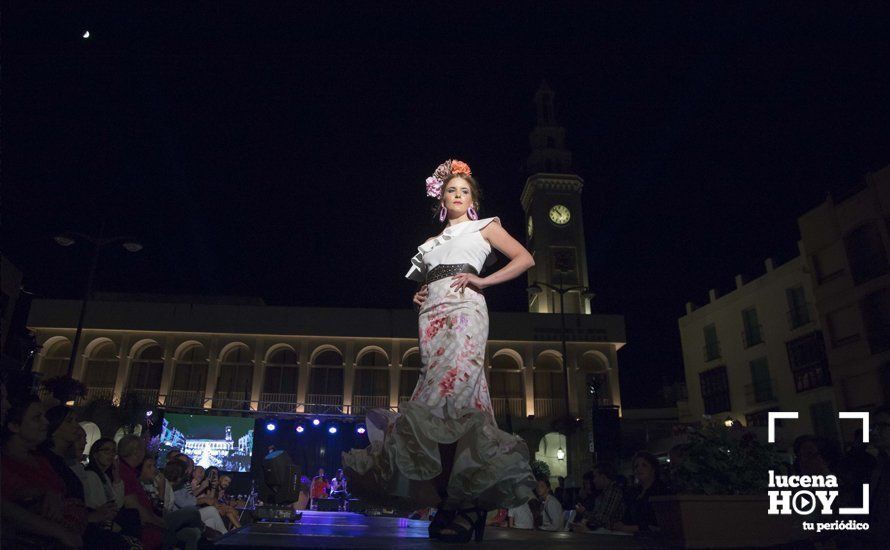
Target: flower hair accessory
(435, 182)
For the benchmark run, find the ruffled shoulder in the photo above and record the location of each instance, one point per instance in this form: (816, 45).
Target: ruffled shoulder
(418, 268)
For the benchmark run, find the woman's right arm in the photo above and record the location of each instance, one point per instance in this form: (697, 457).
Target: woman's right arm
(420, 296)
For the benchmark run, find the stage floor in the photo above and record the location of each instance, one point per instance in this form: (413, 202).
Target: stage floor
(331, 530)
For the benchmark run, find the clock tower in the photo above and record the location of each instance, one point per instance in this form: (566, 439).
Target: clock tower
(551, 201)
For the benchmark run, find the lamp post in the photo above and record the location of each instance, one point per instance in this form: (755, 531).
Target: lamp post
(69, 238)
(535, 289)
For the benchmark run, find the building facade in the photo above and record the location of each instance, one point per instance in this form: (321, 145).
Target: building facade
(759, 349)
(845, 243)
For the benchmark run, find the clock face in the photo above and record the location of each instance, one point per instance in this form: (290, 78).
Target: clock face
(560, 214)
(529, 227)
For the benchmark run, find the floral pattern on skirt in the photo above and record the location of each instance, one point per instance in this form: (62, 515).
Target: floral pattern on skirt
(450, 404)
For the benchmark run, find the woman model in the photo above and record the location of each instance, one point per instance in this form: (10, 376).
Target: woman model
(443, 448)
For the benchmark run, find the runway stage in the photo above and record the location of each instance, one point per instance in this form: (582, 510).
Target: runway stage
(332, 530)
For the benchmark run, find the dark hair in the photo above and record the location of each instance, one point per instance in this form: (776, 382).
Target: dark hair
(93, 465)
(606, 469)
(648, 457)
(174, 471)
(545, 481)
(19, 404)
(56, 416)
(588, 475)
(475, 192)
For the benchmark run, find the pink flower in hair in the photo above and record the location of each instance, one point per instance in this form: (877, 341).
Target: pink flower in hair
(434, 187)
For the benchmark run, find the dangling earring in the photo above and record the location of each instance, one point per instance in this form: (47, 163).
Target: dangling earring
(442, 213)
(471, 212)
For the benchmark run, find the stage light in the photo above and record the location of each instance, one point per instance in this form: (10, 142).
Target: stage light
(270, 427)
(300, 429)
(86, 34)
(360, 430)
(148, 413)
(332, 429)
(316, 422)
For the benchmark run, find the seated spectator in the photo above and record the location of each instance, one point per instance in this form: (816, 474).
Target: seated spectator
(214, 495)
(32, 492)
(521, 517)
(320, 486)
(608, 506)
(639, 514)
(185, 523)
(102, 485)
(551, 510)
(131, 452)
(184, 499)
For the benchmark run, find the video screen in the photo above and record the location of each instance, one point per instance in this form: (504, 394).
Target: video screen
(222, 441)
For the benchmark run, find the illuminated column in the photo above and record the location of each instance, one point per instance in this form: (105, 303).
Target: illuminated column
(212, 372)
(167, 373)
(123, 368)
(303, 379)
(348, 376)
(528, 379)
(259, 372)
(395, 368)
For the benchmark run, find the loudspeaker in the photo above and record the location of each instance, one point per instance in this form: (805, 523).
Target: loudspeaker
(327, 504)
(280, 479)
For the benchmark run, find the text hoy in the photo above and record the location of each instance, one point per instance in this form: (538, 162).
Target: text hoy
(804, 502)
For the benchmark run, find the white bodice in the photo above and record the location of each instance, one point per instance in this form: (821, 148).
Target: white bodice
(457, 244)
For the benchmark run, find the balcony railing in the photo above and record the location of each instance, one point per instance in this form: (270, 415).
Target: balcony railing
(751, 336)
(96, 393)
(234, 400)
(363, 403)
(324, 404)
(711, 351)
(147, 398)
(761, 392)
(549, 408)
(514, 406)
(278, 402)
(800, 315)
(185, 398)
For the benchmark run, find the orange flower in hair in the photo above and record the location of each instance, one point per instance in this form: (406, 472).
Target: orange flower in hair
(460, 167)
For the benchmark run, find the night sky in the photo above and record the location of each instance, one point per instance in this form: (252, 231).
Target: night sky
(282, 153)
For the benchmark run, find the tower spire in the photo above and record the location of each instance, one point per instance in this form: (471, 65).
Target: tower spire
(547, 140)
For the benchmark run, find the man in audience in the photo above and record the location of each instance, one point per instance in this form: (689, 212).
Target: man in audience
(521, 517)
(608, 505)
(551, 509)
(183, 499)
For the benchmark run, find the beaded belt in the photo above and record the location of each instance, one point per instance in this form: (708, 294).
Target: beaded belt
(448, 270)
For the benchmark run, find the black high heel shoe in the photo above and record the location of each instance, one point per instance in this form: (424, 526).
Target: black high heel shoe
(441, 520)
(475, 517)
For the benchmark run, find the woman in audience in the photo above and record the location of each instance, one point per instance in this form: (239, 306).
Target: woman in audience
(32, 492)
(215, 493)
(639, 514)
(184, 499)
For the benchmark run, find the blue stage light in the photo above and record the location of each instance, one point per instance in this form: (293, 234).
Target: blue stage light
(360, 430)
(270, 427)
(300, 429)
(332, 429)
(316, 422)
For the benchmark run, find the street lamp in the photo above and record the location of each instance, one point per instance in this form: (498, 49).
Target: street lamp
(69, 238)
(535, 289)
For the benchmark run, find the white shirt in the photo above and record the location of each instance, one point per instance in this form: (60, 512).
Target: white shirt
(552, 518)
(522, 517)
(458, 244)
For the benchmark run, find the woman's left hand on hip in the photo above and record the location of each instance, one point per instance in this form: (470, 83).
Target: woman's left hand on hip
(463, 280)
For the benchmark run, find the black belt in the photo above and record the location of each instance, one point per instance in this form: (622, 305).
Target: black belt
(448, 270)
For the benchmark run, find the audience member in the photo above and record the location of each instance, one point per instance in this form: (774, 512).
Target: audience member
(551, 510)
(639, 514)
(320, 486)
(608, 506)
(32, 492)
(521, 517)
(184, 499)
(131, 452)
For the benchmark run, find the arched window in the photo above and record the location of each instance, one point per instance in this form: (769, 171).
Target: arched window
(408, 375)
(549, 386)
(505, 387)
(233, 387)
(101, 371)
(281, 381)
(189, 378)
(55, 362)
(145, 376)
(326, 383)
